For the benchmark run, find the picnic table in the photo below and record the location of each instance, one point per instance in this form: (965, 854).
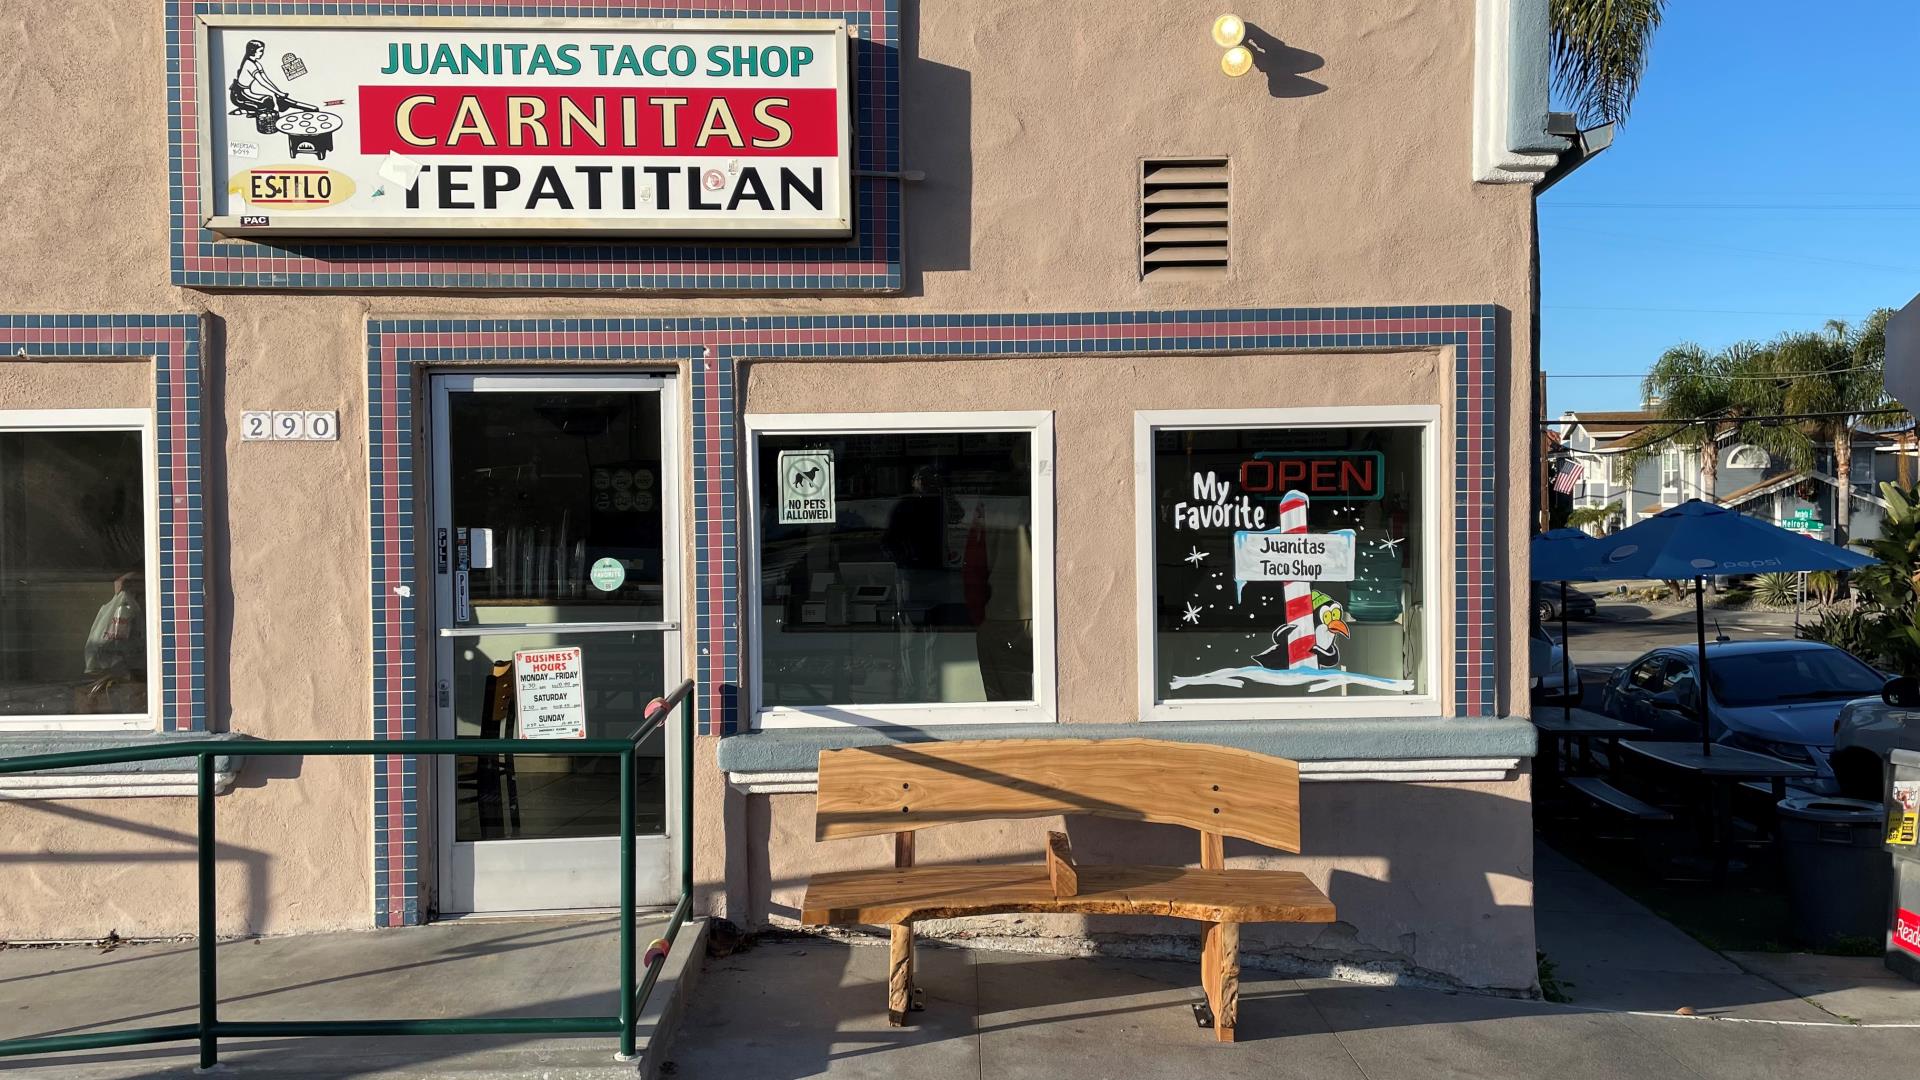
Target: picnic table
(1579, 727)
(1721, 769)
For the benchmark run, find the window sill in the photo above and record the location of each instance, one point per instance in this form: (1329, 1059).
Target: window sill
(132, 779)
(1408, 749)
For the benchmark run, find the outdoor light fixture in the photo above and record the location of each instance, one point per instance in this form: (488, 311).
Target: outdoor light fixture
(1229, 31)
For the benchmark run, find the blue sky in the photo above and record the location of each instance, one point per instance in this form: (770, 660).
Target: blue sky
(1802, 110)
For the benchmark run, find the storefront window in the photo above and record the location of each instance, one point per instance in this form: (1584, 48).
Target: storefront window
(74, 614)
(1289, 568)
(904, 575)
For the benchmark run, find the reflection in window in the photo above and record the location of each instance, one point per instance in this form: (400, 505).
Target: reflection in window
(1288, 563)
(73, 618)
(911, 582)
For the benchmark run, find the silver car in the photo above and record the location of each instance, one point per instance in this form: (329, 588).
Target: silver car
(1867, 731)
(1780, 698)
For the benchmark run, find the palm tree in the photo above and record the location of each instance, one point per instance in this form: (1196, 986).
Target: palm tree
(1704, 399)
(1837, 373)
(1600, 50)
(1598, 518)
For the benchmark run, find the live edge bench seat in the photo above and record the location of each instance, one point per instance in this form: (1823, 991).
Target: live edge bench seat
(885, 897)
(1218, 791)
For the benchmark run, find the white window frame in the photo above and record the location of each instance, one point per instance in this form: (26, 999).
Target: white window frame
(1671, 453)
(1733, 456)
(141, 420)
(1043, 707)
(1426, 419)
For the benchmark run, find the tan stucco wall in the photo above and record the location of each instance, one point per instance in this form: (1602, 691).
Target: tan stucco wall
(1029, 121)
(76, 384)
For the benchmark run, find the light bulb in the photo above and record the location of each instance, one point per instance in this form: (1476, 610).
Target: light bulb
(1228, 31)
(1236, 61)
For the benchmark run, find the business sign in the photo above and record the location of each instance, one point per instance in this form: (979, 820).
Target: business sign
(1297, 556)
(549, 693)
(618, 127)
(1327, 475)
(806, 487)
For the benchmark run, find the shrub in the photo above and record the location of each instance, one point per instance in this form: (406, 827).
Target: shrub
(1848, 626)
(1777, 590)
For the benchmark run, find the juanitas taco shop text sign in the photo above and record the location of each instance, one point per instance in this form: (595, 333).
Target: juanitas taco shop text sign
(621, 127)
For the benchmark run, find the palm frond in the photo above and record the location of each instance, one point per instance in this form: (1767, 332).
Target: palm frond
(1600, 50)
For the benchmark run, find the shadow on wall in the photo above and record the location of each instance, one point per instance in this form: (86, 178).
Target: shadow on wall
(156, 845)
(937, 139)
(1284, 66)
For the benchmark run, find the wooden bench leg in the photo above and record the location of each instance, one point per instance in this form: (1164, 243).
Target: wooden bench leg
(899, 973)
(1220, 976)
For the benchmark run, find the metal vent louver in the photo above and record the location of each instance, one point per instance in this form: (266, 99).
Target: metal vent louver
(1183, 219)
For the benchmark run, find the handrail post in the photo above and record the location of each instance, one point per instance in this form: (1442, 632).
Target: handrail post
(686, 801)
(209, 973)
(626, 903)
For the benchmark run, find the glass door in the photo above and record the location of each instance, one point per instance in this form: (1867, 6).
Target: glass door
(554, 533)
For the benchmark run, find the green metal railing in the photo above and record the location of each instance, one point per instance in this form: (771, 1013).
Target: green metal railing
(211, 1029)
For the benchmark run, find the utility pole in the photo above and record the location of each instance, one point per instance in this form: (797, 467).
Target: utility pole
(1543, 470)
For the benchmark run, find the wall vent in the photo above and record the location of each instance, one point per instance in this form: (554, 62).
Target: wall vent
(1183, 219)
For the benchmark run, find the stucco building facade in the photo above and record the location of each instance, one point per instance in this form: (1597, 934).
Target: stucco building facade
(259, 479)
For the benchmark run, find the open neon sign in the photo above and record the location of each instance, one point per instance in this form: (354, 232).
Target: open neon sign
(1338, 475)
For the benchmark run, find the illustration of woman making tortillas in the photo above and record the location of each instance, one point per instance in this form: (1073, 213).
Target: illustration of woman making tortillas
(255, 94)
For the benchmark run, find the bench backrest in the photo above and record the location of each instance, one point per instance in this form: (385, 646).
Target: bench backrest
(866, 791)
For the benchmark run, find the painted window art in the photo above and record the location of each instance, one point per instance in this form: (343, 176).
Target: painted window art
(1288, 562)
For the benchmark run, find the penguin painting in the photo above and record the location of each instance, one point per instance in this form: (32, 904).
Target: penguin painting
(1329, 619)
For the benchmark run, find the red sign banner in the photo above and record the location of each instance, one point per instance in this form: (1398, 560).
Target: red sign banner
(475, 121)
(1906, 930)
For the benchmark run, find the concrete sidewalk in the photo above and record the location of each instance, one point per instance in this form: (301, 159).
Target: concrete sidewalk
(500, 967)
(807, 1007)
(1610, 952)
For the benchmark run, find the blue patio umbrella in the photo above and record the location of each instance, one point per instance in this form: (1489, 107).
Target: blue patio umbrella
(1564, 555)
(1698, 540)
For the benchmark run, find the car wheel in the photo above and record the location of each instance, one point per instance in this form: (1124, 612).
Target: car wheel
(1859, 774)
(1544, 611)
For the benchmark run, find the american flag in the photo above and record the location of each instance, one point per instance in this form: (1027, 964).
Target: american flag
(1570, 473)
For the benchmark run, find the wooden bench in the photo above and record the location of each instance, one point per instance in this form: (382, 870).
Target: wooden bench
(1218, 791)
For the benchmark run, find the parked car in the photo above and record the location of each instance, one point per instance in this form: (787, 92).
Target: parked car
(1546, 602)
(1546, 656)
(1867, 731)
(1780, 698)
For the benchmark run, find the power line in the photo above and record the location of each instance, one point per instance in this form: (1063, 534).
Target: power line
(1789, 255)
(1689, 421)
(1709, 311)
(1837, 207)
(1784, 377)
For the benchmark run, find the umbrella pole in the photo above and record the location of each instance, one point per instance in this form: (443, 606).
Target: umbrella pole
(1700, 687)
(1566, 691)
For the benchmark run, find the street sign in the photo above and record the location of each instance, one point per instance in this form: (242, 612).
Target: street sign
(1903, 355)
(1803, 521)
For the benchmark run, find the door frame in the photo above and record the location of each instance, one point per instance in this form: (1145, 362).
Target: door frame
(661, 849)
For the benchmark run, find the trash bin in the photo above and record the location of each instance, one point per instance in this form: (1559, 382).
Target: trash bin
(1903, 906)
(1836, 870)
